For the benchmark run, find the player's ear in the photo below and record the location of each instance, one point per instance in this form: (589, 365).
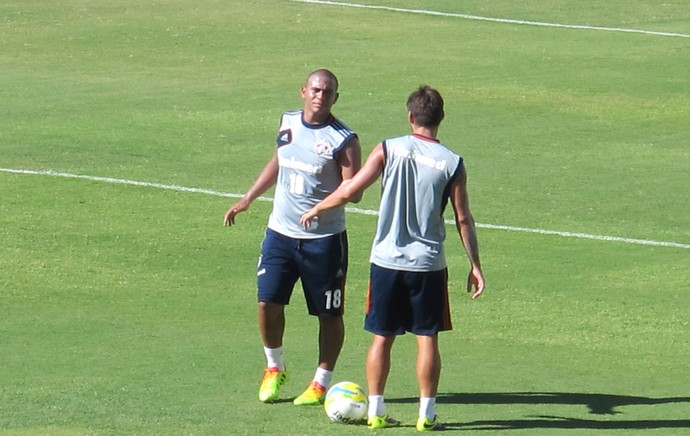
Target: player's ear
(336, 97)
(410, 117)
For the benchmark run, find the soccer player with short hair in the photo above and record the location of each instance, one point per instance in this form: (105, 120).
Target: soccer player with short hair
(408, 282)
(315, 153)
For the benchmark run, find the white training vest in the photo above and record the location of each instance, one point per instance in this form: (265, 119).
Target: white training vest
(415, 188)
(308, 173)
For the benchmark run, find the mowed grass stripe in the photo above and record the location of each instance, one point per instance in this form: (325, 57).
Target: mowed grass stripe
(179, 188)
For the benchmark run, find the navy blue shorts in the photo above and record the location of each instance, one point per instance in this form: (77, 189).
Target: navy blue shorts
(405, 301)
(320, 264)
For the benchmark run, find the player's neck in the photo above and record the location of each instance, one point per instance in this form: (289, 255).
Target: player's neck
(426, 132)
(315, 119)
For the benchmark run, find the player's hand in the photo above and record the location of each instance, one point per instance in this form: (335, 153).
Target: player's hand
(307, 218)
(236, 208)
(475, 281)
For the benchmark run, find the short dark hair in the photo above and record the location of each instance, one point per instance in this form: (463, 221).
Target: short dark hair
(324, 72)
(426, 104)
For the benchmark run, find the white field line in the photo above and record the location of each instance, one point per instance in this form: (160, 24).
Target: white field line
(495, 20)
(349, 209)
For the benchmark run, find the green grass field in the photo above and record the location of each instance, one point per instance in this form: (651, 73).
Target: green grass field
(129, 309)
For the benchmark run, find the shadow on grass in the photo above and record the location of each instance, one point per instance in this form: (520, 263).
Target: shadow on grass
(598, 404)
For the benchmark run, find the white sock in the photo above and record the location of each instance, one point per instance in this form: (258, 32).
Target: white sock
(427, 408)
(274, 358)
(323, 377)
(376, 406)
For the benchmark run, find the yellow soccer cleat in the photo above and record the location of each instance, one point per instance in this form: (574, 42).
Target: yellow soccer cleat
(424, 424)
(314, 395)
(385, 421)
(270, 385)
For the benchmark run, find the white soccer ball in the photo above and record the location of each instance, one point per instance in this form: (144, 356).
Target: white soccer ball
(346, 403)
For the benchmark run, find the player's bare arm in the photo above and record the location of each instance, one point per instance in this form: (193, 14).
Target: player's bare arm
(350, 161)
(464, 222)
(349, 190)
(266, 179)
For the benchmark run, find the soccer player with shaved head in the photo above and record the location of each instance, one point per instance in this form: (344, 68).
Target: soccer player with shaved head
(315, 152)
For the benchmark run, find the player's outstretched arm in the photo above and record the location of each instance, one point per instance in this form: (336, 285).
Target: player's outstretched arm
(349, 189)
(464, 222)
(266, 179)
